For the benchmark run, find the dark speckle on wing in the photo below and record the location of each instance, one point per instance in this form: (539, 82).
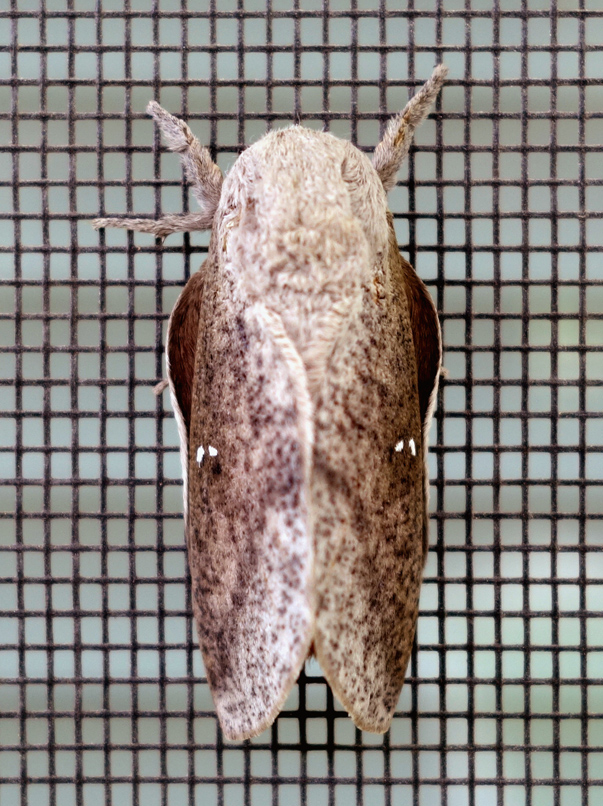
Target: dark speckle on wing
(249, 547)
(368, 537)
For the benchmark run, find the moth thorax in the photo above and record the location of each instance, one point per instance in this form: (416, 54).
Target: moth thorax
(312, 277)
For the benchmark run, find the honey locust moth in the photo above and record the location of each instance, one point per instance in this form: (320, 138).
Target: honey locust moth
(303, 361)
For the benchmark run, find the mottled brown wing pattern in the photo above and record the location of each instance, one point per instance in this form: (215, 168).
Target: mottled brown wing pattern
(250, 552)
(369, 505)
(427, 343)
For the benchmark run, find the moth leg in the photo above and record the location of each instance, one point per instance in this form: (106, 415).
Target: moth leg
(200, 170)
(160, 227)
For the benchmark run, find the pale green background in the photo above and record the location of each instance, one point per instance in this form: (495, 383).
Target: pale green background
(517, 606)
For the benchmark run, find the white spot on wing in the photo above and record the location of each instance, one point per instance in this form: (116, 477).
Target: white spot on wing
(200, 454)
(212, 451)
(412, 447)
(400, 446)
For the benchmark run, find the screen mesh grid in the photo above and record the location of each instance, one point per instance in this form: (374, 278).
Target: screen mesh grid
(103, 698)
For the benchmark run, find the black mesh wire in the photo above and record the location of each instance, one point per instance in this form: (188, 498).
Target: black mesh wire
(102, 694)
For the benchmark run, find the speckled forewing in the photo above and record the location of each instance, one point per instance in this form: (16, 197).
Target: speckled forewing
(249, 549)
(368, 505)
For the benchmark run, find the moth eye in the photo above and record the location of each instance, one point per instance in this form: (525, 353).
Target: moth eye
(212, 451)
(400, 446)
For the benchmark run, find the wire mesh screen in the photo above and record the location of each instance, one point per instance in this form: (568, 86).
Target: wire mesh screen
(103, 698)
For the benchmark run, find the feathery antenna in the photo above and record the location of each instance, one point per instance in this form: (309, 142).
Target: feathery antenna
(393, 148)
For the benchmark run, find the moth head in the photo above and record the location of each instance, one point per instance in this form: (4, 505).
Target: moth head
(367, 182)
(300, 203)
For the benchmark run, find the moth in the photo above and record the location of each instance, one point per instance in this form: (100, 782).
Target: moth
(303, 362)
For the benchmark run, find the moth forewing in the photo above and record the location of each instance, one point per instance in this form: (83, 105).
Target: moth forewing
(369, 537)
(250, 552)
(180, 348)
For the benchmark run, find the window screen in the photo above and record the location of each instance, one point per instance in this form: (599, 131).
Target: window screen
(103, 698)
